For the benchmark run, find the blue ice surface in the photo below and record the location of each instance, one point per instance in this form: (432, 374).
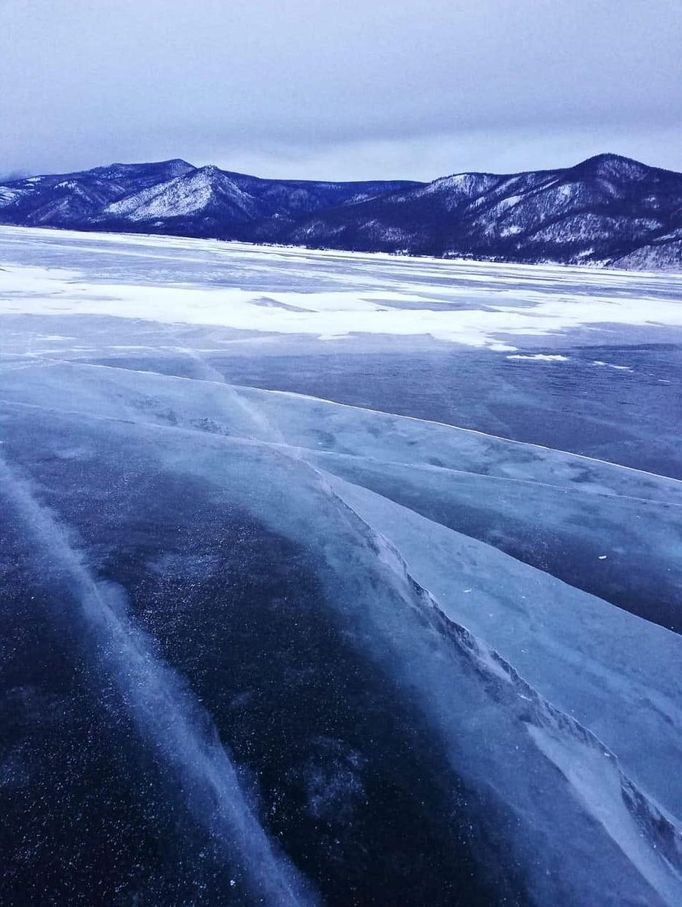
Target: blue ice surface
(294, 620)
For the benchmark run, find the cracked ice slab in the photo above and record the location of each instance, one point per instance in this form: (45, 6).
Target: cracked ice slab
(487, 581)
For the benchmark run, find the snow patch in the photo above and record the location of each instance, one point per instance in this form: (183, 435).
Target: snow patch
(541, 357)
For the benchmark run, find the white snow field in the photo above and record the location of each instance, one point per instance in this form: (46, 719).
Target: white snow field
(519, 603)
(323, 294)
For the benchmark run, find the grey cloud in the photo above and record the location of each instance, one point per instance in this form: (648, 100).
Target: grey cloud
(294, 85)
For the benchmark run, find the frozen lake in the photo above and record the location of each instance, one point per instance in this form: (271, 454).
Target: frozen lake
(334, 578)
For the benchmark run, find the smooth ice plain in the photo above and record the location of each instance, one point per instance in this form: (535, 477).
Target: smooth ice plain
(336, 579)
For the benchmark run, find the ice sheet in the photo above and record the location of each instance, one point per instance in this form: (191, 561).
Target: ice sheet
(476, 628)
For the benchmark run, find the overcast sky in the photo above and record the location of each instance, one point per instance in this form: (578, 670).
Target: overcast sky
(343, 89)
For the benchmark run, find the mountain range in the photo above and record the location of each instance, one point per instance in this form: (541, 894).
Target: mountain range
(607, 210)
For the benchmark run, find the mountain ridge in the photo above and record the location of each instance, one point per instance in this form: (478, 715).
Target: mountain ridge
(607, 210)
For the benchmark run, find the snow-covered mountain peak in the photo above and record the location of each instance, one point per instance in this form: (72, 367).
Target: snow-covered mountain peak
(189, 194)
(210, 170)
(613, 166)
(159, 170)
